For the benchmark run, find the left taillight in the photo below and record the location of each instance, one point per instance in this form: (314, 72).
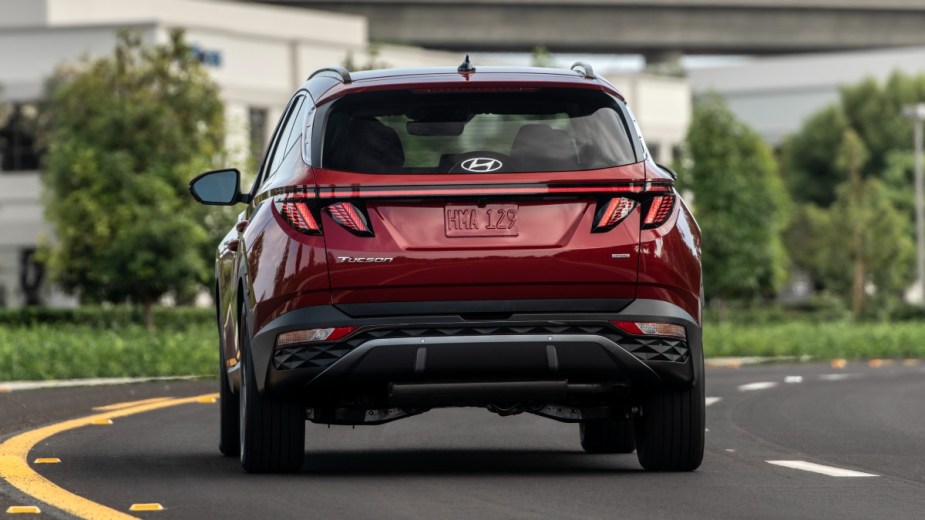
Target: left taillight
(299, 215)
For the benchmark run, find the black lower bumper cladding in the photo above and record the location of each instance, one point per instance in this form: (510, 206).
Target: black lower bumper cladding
(525, 346)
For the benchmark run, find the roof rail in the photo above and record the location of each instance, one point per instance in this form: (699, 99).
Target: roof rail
(585, 71)
(341, 72)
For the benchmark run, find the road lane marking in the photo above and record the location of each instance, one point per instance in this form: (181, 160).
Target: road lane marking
(15, 386)
(207, 400)
(762, 385)
(146, 507)
(838, 377)
(18, 510)
(793, 379)
(101, 422)
(127, 404)
(712, 400)
(15, 469)
(830, 471)
(47, 460)
(839, 363)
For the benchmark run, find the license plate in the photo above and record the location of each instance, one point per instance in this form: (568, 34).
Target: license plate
(470, 220)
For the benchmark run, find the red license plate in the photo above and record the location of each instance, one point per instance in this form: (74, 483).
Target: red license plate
(470, 220)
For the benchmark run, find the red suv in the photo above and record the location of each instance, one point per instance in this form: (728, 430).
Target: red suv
(426, 238)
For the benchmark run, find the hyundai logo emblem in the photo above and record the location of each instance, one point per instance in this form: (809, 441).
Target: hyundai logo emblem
(481, 164)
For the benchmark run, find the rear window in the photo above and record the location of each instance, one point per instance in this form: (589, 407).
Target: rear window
(526, 130)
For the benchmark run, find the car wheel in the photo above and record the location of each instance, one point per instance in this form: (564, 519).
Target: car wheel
(229, 441)
(670, 432)
(272, 431)
(607, 436)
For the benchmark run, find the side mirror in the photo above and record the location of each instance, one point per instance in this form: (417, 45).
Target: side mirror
(668, 170)
(218, 188)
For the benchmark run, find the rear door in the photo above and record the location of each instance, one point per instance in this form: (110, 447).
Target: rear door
(498, 200)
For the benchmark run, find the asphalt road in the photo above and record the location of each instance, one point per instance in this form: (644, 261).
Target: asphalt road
(469, 463)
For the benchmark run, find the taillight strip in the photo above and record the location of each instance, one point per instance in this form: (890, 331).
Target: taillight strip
(335, 192)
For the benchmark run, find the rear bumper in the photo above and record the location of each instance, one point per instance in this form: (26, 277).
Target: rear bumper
(578, 347)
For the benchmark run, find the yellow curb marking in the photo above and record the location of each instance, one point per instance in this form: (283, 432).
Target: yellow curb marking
(875, 363)
(15, 470)
(207, 400)
(910, 362)
(5, 389)
(839, 363)
(101, 422)
(47, 460)
(146, 507)
(128, 404)
(18, 510)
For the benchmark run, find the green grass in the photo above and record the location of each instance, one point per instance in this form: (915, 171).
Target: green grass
(827, 340)
(67, 350)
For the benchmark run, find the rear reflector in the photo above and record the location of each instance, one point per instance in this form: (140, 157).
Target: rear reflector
(299, 216)
(659, 210)
(313, 335)
(610, 214)
(649, 328)
(347, 215)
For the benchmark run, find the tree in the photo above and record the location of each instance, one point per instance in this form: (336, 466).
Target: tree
(874, 112)
(541, 57)
(861, 241)
(740, 202)
(126, 133)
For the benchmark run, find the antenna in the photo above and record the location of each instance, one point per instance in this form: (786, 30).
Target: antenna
(465, 67)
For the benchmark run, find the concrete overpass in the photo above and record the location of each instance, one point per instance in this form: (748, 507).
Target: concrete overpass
(649, 27)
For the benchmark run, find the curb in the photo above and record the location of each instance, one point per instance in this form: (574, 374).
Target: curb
(18, 386)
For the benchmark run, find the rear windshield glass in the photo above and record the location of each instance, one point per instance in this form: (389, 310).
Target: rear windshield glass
(476, 132)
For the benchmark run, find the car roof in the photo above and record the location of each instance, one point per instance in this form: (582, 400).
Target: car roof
(450, 77)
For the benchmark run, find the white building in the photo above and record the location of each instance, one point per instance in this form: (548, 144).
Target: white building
(257, 54)
(776, 95)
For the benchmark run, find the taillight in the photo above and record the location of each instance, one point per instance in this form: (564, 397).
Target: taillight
(611, 213)
(298, 337)
(659, 210)
(347, 215)
(651, 328)
(299, 215)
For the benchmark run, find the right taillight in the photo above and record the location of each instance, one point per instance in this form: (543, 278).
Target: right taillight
(658, 211)
(299, 215)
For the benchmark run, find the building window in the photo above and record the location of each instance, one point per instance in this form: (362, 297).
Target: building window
(18, 128)
(257, 121)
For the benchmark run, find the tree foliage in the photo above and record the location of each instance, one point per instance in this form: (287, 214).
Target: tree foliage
(860, 242)
(874, 112)
(126, 133)
(740, 202)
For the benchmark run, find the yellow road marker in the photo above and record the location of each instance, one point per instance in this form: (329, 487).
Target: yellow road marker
(15, 470)
(875, 363)
(207, 400)
(146, 507)
(101, 422)
(839, 363)
(47, 460)
(128, 404)
(18, 510)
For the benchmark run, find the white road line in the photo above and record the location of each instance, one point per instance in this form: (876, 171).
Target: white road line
(16, 386)
(838, 377)
(819, 468)
(793, 379)
(713, 400)
(763, 385)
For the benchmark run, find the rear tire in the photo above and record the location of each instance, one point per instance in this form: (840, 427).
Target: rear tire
(607, 436)
(670, 433)
(229, 438)
(272, 431)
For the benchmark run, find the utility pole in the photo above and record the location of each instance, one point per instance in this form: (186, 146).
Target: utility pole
(917, 114)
